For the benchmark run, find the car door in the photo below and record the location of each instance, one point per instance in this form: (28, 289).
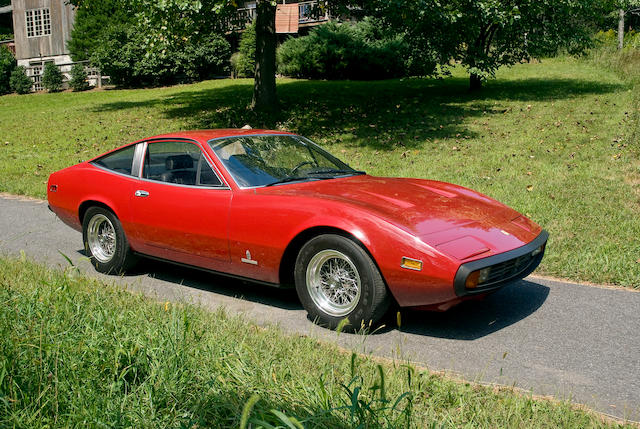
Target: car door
(181, 206)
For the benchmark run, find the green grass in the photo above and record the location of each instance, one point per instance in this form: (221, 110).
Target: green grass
(75, 352)
(556, 140)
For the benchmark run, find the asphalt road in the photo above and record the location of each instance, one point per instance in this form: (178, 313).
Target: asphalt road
(571, 341)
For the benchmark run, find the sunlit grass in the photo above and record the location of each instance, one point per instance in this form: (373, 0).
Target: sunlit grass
(556, 140)
(76, 352)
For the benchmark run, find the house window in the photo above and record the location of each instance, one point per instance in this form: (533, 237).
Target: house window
(38, 22)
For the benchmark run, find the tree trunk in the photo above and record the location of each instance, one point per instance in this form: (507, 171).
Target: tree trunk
(475, 82)
(620, 29)
(264, 88)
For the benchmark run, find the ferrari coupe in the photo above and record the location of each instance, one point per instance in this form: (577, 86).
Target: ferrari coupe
(275, 208)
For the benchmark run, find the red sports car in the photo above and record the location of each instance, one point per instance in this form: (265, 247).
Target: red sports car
(275, 208)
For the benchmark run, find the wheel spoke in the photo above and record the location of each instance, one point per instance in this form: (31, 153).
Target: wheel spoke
(101, 238)
(333, 282)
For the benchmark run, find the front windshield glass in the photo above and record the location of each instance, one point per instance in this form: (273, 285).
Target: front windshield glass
(271, 159)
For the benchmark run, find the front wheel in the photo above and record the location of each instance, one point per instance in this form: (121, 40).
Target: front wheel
(336, 279)
(105, 241)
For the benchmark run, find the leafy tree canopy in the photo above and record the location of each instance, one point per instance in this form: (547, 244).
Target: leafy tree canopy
(484, 35)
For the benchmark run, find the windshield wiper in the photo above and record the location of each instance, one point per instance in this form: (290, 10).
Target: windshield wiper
(290, 179)
(335, 171)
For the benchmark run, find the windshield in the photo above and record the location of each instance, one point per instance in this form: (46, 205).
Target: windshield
(265, 160)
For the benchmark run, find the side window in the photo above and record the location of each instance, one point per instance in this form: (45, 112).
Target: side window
(178, 162)
(119, 161)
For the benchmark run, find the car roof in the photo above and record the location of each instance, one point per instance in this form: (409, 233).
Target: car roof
(206, 135)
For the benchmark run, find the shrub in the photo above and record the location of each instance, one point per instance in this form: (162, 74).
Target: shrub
(243, 62)
(344, 51)
(52, 77)
(7, 65)
(123, 57)
(19, 81)
(199, 61)
(78, 80)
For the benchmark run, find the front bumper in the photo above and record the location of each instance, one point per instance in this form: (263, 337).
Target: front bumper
(505, 267)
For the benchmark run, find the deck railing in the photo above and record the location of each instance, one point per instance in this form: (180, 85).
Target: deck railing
(308, 13)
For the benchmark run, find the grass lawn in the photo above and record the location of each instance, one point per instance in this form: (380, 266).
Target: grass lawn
(75, 352)
(556, 140)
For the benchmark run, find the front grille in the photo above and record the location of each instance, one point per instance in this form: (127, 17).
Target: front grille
(507, 269)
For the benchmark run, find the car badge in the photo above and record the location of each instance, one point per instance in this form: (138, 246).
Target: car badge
(248, 259)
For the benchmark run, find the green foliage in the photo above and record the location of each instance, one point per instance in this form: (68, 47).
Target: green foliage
(485, 35)
(7, 65)
(78, 80)
(146, 43)
(52, 77)
(75, 352)
(243, 62)
(609, 39)
(124, 58)
(93, 19)
(344, 51)
(19, 81)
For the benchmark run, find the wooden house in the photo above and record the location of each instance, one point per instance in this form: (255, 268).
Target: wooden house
(41, 31)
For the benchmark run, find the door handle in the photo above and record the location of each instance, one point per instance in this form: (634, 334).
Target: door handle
(141, 193)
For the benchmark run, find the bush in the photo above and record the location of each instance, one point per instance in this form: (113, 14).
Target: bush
(243, 62)
(123, 57)
(52, 77)
(78, 80)
(344, 51)
(7, 66)
(19, 81)
(199, 61)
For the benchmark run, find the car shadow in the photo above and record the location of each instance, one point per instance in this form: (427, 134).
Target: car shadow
(467, 321)
(476, 319)
(285, 299)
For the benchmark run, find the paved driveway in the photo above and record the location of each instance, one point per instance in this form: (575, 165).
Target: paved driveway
(552, 338)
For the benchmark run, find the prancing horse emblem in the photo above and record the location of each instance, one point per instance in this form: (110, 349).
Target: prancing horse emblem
(248, 259)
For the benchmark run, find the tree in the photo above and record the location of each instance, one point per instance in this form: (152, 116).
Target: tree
(52, 77)
(7, 66)
(170, 20)
(20, 82)
(78, 80)
(484, 35)
(244, 61)
(264, 87)
(93, 19)
(624, 7)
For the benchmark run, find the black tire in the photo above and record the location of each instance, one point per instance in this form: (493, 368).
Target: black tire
(326, 283)
(105, 242)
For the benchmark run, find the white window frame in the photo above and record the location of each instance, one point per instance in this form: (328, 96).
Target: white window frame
(37, 22)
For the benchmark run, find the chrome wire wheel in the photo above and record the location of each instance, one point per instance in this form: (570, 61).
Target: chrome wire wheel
(101, 237)
(333, 282)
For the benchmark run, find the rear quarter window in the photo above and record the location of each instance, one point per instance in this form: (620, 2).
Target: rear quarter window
(120, 161)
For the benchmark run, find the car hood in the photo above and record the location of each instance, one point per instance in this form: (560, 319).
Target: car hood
(455, 220)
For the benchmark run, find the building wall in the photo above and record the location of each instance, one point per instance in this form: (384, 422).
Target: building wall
(62, 17)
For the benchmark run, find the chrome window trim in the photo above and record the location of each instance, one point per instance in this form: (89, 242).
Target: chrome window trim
(138, 156)
(223, 184)
(296, 136)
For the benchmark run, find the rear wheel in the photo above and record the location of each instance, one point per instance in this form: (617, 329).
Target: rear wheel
(105, 241)
(336, 279)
